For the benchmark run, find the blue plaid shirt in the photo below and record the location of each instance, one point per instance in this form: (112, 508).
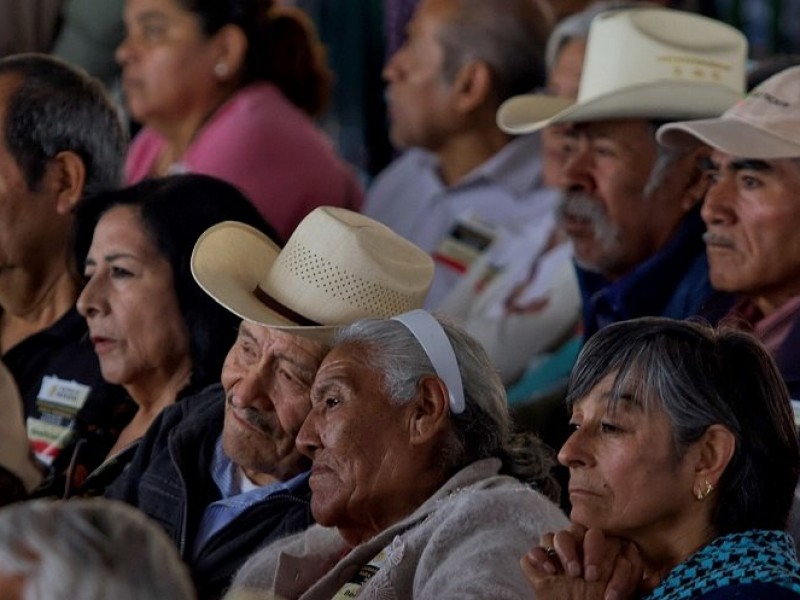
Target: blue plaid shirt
(234, 501)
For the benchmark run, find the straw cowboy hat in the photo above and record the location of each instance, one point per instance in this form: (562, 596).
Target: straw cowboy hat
(651, 63)
(764, 125)
(339, 266)
(15, 452)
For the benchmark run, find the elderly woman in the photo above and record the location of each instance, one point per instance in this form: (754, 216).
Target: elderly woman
(419, 488)
(684, 447)
(155, 332)
(228, 88)
(82, 550)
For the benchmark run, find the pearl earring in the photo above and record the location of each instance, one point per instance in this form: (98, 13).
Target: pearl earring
(220, 70)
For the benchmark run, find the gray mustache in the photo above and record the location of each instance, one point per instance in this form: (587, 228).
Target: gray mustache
(713, 239)
(252, 416)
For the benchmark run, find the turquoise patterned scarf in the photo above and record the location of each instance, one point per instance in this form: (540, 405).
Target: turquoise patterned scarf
(757, 556)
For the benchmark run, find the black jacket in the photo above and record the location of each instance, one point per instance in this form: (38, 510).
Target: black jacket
(170, 480)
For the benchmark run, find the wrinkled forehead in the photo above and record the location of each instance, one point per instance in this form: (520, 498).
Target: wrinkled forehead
(619, 130)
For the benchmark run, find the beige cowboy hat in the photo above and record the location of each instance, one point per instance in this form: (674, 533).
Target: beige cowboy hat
(651, 63)
(337, 267)
(15, 452)
(764, 125)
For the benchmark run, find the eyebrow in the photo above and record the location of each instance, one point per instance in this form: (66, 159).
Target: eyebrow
(110, 258)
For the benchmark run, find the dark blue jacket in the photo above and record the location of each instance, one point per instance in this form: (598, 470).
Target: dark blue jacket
(672, 283)
(170, 480)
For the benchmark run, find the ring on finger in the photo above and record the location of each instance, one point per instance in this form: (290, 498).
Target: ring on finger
(550, 552)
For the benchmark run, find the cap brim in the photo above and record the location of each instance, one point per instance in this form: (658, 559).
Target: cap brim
(661, 100)
(228, 262)
(727, 135)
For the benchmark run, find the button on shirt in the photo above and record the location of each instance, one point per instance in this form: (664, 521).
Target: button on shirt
(238, 494)
(410, 197)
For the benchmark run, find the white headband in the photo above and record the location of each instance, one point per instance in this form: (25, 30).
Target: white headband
(434, 342)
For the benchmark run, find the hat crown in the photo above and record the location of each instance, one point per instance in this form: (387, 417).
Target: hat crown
(644, 63)
(338, 267)
(643, 46)
(773, 106)
(359, 266)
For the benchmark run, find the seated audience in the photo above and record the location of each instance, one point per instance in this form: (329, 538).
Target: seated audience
(752, 211)
(19, 473)
(75, 149)
(461, 182)
(520, 298)
(228, 88)
(219, 471)
(684, 450)
(440, 504)
(631, 208)
(155, 332)
(547, 367)
(88, 550)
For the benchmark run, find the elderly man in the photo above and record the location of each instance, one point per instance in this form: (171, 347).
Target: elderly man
(461, 182)
(631, 209)
(220, 471)
(61, 139)
(439, 504)
(752, 211)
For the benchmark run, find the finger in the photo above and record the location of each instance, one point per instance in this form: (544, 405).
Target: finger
(569, 552)
(599, 553)
(626, 575)
(533, 573)
(544, 559)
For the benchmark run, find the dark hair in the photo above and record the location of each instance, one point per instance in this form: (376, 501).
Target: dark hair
(56, 108)
(702, 376)
(283, 47)
(508, 35)
(175, 211)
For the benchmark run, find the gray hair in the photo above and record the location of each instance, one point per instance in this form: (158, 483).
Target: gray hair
(508, 35)
(55, 108)
(701, 376)
(89, 549)
(576, 26)
(666, 157)
(484, 429)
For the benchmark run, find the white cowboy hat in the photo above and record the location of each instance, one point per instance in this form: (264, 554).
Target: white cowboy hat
(337, 267)
(651, 63)
(15, 452)
(765, 124)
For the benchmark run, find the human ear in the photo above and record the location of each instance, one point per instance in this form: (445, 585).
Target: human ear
(230, 50)
(430, 411)
(472, 85)
(714, 451)
(697, 185)
(66, 177)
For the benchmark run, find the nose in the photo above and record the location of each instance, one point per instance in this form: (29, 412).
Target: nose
(573, 452)
(92, 300)
(253, 389)
(576, 170)
(308, 440)
(124, 51)
(717, 206)
(393, 69)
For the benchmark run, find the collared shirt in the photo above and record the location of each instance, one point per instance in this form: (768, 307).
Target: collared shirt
(238, 494)
(410, 197)
(780, 333)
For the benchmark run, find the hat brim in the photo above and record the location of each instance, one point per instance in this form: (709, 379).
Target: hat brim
(660, 100)
(731, 136)
(228, 262)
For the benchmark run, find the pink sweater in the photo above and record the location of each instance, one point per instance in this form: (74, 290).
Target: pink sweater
(268, 148)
